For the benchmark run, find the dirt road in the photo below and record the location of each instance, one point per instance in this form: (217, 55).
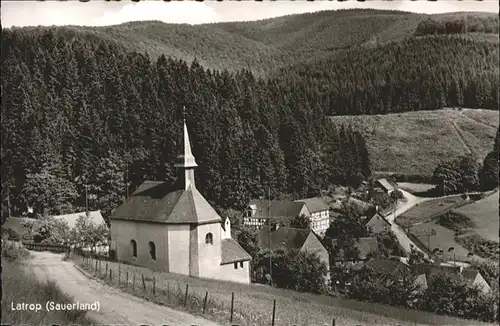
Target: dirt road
(403, 206)
(116, 307)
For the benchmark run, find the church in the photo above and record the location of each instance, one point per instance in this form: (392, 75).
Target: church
(177, 230)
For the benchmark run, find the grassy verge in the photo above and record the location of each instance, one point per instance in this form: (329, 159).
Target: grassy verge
(19, 285)
(253, 304)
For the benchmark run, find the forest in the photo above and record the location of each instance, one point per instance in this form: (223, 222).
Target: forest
(78, 113)
(79, 109)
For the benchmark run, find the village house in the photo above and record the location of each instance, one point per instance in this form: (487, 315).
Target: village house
(93, 216)
(261, 211)
(378, 224)
(319, 214)
(385, 267)
(176, 230)
(470, 275)
(292, 238)
(365, 248)
(384, 185)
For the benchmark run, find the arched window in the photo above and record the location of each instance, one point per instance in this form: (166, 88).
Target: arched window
(152, 250)
(133, 244)
(209, 238)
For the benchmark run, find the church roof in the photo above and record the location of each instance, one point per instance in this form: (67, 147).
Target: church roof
(186, 158)
(154, 202)
(232, 252)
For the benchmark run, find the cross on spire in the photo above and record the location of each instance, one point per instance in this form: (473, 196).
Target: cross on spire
(184, 113)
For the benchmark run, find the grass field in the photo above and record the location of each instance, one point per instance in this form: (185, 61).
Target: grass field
(253, 304)
(428, 210)
(415, 187)
(484, 214)
(442, 238)
(415, 142)
(20, 285)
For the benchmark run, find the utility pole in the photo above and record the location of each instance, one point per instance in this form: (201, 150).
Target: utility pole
(8, 200)
(86, 200)
(427, 234)
(270, 244)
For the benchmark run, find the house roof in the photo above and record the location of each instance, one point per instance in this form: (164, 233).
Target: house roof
(284, 237)
(386, 184)
(232, 252)
(365, 246)
(153, 202)
(470, 273)
(314, 204)
(19, 224)
(378, 216)
(387, 266)
(276, 208)
(94, 216)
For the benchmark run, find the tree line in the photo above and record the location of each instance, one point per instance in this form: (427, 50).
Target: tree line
(419, 73)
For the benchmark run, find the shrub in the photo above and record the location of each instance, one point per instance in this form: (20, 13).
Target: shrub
(14, 251)
(12, 235)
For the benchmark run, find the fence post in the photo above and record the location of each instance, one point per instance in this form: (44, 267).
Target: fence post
(95, 269)
(154, 285)
(274, 311)
(186, 295)
(111, 275)
(127, 279)
(232, 307)
(333, 321)
(119, 275)
(133, 282)
(168, 291)
(106, 268)
(205, 301)
(143, 282)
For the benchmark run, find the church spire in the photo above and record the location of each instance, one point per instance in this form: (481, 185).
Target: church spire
(185, 160)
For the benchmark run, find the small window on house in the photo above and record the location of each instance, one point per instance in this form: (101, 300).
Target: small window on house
(133, 244)
(235, 265)
(209, 238)
(152, 250)
(241, 264)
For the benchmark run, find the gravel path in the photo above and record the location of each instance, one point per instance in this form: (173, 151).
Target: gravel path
(116, 307)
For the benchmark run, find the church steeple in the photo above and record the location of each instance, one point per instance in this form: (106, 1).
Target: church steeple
(186, 162)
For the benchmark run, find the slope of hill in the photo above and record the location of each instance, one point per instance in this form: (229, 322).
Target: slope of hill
(484, 214)
(414, 143)
(262, 46)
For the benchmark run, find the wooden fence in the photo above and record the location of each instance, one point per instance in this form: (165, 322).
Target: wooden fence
(45, 247)
(170, 293)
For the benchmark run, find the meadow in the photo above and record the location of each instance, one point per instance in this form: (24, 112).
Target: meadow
(484, 214)
(434, 236)
(19, 285)
(428, 210)
(415, 187)
(416, 142)
(253, 304)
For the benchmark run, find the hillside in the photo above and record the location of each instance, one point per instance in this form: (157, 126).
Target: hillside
(415, 142)
(263, 46)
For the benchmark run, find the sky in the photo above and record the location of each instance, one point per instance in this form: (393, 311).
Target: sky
(101, 13)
